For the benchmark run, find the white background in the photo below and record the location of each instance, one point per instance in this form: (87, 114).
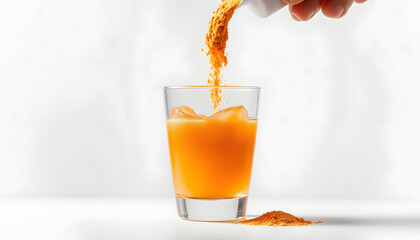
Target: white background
(81, 99)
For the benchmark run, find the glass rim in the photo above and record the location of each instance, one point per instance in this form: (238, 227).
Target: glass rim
(210, 87)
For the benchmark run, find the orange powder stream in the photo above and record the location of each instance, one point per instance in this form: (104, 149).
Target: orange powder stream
(277, 218)
(216, 38)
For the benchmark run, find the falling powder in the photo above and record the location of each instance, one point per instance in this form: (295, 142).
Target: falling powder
(216, 39)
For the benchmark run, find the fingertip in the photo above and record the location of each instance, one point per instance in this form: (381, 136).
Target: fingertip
(335, 12)
(295, 17)
(305, 17)
(306, 10)
(336, 8)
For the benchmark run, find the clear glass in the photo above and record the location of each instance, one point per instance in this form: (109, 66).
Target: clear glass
(212, 158)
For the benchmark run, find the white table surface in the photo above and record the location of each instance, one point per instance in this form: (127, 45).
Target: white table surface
(96, 218)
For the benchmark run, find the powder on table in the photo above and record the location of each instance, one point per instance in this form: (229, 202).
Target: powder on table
(277, 218)
(216, 39)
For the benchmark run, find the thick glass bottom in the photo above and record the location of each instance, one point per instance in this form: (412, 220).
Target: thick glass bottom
(212, 210)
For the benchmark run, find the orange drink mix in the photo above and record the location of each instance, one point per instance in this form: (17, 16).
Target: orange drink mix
(211, 156)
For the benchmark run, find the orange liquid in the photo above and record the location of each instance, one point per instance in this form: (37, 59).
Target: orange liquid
(211, 158)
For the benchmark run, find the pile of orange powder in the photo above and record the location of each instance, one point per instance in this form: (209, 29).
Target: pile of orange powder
(277, 218)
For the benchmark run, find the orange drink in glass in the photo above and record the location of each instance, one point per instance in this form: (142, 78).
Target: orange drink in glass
(211, 153)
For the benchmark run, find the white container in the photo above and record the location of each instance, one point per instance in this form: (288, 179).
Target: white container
(263, 8)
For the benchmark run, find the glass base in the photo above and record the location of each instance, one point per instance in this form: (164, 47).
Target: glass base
(212, 210)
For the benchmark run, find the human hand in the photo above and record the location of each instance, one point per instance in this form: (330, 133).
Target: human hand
(303, 10)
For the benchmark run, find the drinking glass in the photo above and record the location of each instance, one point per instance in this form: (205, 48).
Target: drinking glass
(211, 153)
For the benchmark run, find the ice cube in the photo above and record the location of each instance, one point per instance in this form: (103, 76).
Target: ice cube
(185, 112)
(231, 113)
